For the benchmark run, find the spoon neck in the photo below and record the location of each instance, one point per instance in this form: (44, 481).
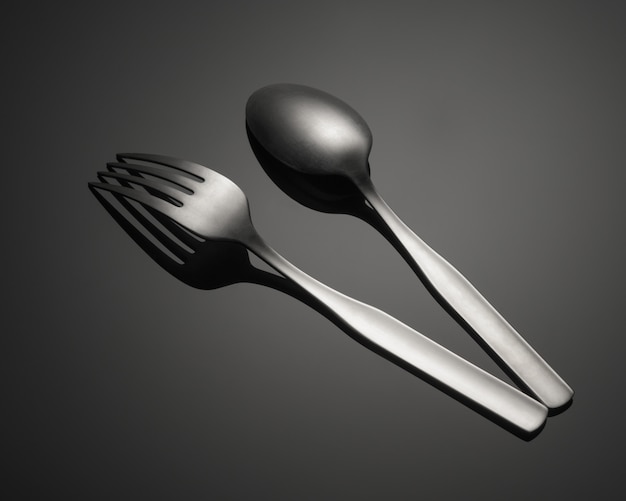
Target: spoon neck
(366, 186)
(397, 229)
(373, 198)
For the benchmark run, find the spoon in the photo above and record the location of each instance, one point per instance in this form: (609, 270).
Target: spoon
(193, 201)
(317, 134)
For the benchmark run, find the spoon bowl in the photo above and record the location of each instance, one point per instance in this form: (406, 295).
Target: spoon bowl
(310, 131)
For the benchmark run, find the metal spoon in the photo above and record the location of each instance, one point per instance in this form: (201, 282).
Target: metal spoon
(317, 134)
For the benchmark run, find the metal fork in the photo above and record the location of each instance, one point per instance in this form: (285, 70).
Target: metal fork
(201, 201)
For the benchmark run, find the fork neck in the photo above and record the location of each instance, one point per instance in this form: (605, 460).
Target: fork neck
(258, 246)
(264, 251)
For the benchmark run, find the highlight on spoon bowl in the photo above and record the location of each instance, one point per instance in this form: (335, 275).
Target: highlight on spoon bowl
(310, 130)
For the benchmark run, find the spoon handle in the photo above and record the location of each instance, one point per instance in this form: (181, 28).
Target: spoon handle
(374, 327)
(455, 290)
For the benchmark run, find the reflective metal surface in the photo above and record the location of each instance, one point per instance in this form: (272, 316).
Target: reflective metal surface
(213, 207)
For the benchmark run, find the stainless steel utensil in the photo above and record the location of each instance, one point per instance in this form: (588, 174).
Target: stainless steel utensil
(319, 135)
(211, 206)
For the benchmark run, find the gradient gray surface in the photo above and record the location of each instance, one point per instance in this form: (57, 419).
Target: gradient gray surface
(498, 137)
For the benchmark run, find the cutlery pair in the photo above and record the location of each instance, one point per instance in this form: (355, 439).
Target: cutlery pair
(197, 217)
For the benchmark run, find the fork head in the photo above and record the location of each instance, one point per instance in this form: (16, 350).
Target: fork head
(196, 197)
(203, 264)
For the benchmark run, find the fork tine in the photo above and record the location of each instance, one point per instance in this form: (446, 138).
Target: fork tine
(146, 199)
(192, 168)
(163, 259)
(161, 173)
(178, 231)
(183, 235)
(162, 237)
(156, 189)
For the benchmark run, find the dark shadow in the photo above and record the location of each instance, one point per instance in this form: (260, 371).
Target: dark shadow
(338, 195)
(207, 264)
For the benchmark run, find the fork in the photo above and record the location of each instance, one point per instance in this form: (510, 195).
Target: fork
(209, 205)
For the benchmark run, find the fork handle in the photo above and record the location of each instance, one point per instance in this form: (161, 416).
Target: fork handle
(455, 290)
(429, 358)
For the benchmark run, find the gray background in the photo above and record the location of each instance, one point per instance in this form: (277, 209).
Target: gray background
(498, 137)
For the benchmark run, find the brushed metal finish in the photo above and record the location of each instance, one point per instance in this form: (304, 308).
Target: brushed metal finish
(317, 134)
(213, 207)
